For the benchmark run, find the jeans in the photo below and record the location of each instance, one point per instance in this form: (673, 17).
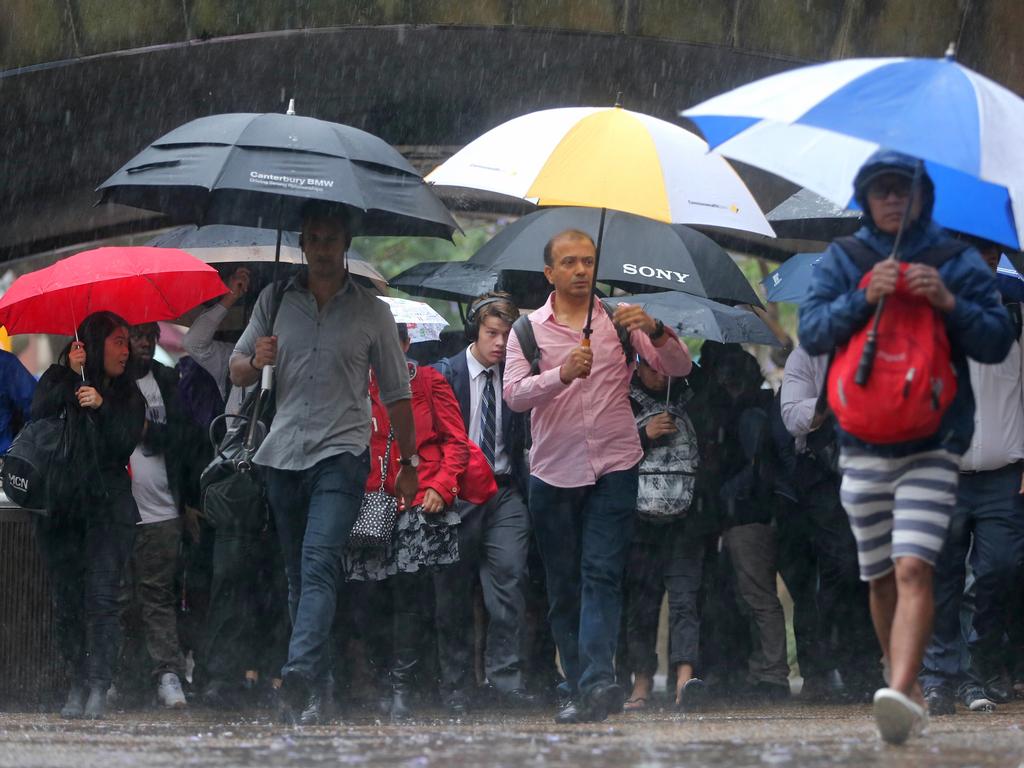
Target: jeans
(85, 552)
(988, 524)
(583, 535)
(314, 510)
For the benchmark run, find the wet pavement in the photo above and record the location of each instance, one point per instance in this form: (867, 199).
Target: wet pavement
(794, 734)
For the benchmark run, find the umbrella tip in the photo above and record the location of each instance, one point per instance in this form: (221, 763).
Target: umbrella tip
(291, 107)
(618, 100)
(951, 52)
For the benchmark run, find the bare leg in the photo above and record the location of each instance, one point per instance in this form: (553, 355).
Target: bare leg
(883, 609)
(642, 685)
(684, 672)
(912, 625)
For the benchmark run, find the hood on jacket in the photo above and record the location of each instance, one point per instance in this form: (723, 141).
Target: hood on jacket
(887, 161)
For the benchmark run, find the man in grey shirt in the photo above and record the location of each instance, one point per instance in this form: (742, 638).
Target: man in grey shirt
(327, 335)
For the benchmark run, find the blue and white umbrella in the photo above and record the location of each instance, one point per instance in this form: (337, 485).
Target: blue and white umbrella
(792, 281)
(817, 125)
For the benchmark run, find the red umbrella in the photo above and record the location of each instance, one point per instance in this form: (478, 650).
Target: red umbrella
(139, 283)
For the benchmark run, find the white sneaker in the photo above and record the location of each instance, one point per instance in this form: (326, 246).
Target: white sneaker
(169, 691)
(898, 718)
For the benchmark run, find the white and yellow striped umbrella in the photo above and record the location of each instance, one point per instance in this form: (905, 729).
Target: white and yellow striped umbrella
(606, 158)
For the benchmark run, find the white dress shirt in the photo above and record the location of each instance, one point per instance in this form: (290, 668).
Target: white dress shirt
(477, 381)
(998, 413)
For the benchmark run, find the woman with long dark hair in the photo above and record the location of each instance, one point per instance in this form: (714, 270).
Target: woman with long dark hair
(86, 540)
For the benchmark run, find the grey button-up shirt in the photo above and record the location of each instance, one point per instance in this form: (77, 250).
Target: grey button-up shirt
(322, 377)
(802, 384)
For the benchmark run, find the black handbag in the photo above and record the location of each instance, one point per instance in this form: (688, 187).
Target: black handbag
(37, 471)
(378, 513)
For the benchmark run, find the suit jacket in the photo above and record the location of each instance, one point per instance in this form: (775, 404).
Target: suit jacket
(513, 425)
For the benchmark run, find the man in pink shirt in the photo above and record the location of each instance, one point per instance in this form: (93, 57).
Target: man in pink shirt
(583, 463)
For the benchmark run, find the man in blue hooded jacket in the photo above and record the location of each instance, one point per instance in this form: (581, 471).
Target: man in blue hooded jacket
(900, 497)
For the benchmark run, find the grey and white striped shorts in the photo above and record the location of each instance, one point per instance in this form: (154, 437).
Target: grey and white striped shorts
(898, 506)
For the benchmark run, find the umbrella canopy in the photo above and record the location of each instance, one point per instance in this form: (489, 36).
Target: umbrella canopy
(421, 320)
(809, 216)
(702, 318)
(817, 125)
(792, 280)
(637, 254)
(260, 169)
(462, 281)
(141, 284)
(606, 158)
(239, 246)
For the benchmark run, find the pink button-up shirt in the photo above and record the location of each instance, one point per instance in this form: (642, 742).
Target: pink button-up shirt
(583, 430)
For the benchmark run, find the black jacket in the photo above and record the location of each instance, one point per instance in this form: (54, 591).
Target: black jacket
(103, 439)
(513, 425)
(179, 440)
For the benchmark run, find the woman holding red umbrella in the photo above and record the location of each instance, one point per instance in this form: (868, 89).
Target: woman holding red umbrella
(87, 538)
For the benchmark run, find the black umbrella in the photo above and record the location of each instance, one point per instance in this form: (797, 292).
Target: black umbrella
(260, 169)
(463, 281)
(809, 216)
(230, 247)
(702, 318)
(637, 254)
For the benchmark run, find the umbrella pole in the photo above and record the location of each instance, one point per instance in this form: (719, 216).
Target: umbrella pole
(587, 329)
(668, 392)
(74, 321)
(867, 355)
(267, 375)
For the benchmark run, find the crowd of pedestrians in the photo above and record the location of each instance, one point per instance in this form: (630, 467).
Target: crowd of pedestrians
(551, 490)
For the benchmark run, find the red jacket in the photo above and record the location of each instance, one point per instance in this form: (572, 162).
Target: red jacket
(449, 463)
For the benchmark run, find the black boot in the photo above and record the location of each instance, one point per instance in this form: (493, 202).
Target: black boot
(74, 707)
(403, 671)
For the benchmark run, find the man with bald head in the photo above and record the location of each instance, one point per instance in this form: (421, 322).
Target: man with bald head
(583, 463)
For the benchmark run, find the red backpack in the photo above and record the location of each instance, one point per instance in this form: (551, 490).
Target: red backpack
(913, 380)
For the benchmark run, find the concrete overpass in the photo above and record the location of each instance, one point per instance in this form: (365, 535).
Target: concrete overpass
(87, 83)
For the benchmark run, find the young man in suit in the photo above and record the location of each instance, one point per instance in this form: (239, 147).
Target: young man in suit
(493, 537)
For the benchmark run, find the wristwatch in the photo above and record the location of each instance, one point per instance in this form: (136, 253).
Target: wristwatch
(413, 461)
(658, 332)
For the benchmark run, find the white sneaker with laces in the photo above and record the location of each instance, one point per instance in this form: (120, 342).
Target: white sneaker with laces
(169, 691)
(898, 718)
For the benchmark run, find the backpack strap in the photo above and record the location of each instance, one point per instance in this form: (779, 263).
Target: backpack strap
(866, 257)
(523, 330)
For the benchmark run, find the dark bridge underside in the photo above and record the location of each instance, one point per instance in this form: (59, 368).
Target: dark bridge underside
(426, 89)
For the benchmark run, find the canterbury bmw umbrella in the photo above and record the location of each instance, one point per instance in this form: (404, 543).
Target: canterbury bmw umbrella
(259, 170)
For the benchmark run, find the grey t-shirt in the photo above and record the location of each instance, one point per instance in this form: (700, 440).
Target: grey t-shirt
(322, 377)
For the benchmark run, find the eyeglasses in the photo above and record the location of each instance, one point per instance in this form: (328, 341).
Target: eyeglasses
(880, 190)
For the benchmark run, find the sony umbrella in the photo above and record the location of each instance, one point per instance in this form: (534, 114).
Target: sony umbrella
(637, 253)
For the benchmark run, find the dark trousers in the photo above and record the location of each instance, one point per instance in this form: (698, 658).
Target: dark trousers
(85, 553)
(149, 608)
(493, 545)
(662, 559)
(583, 535)
(752, 550)
(988, 524)
(314, 510)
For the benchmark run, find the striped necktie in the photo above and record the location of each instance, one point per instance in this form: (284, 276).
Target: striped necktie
(487, 417)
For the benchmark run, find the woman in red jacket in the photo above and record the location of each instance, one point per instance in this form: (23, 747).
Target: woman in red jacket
(425, 536)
